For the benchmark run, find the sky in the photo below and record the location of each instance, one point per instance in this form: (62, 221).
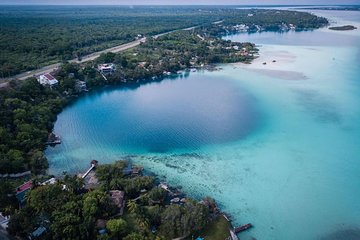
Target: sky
(177, 2)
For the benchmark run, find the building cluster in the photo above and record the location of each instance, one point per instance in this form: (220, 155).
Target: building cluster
(90, 182)
(48, 79)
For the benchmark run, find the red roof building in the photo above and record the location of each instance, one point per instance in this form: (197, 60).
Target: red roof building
(47, 79)
(26, 186)
(22, 190)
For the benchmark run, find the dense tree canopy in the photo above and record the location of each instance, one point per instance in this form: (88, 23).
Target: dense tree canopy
(35, 36)
(68, 212)
(28, 110)
(27, 113)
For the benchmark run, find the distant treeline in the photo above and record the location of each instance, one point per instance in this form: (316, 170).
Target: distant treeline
(36, 36)
(259, 20)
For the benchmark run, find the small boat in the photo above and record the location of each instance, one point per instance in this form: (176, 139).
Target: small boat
(243, 228)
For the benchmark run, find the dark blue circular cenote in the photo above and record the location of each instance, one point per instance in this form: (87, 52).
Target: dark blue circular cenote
(180, 114)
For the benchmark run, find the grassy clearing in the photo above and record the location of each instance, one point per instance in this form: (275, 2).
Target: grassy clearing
(216, 230)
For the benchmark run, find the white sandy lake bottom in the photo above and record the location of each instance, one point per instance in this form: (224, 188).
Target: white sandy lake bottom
(297, 176)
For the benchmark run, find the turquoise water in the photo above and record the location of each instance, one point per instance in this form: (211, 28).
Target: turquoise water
(274, 149)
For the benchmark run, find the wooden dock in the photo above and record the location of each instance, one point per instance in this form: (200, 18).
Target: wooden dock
(243, 228)
(93, 165)
(236, 230)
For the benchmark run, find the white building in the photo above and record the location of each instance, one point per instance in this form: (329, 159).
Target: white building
(51, 181)
(47, 79)
(4, 220)
(106, 68)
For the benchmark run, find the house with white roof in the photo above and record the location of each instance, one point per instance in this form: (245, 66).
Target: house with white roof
(47, 79)
(106, 68)
(4, 220)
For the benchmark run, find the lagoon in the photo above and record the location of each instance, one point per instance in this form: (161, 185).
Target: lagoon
(174, 115)
(276, 145)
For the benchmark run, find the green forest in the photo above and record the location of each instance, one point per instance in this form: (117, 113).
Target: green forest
(74, 212)
(37, 36)
(33, 37)
(28, 109)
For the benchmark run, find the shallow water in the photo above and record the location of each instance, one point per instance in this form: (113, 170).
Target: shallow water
(282, 154)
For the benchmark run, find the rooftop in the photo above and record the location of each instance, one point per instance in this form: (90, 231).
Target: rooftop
(117, 197)
(24, 187)
(49, 76)
(39, 231)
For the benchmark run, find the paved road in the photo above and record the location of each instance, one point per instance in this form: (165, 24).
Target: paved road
(90, 57)
(116, 49)
(39, 71)
(86, 58)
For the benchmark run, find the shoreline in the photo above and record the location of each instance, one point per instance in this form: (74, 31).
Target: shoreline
(271, 62)
(261, 66)
(137, 83)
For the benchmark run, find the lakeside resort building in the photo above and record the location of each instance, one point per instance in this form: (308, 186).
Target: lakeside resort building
(47, 79)
(106, 68)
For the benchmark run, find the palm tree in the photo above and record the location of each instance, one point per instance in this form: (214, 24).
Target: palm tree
(132, 206)
(143, 224)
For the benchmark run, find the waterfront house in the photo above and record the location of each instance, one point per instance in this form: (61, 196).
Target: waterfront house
(22, 190)
(4, 221)
(117, 197)
(106, 68)
(47, 79)
(51, 181)
(80, 86)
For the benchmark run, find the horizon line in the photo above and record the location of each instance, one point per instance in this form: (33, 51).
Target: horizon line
(55, 4)
(200, 4)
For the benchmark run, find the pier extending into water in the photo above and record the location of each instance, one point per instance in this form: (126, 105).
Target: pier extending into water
(93, 165)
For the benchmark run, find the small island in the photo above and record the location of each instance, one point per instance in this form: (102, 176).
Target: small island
(343, 28)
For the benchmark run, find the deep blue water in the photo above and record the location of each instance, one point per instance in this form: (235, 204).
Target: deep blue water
(186, 113)
(273, 149)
